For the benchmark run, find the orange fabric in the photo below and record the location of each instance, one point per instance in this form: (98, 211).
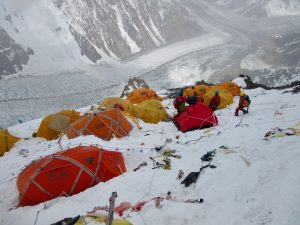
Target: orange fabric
(142, 94)
(232, 87)
(104, 124)
(67, 173)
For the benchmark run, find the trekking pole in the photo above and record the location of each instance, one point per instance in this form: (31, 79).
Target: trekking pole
(37, 216)
(111, 208)
(239, 124)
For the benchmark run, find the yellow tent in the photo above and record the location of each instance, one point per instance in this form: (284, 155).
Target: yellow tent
(232, 87)
(190, 91)
(150, 111)
(6, 141)
(142, 94)
(54, 124)
(201, 89)
(110, 102)
(226, 96)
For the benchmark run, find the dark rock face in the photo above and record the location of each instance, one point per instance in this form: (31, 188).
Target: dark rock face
(252, 85)
(85, 46)
(122, 28)
(12, 55)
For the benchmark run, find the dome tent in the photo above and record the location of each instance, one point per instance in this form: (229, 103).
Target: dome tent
(195, 116)
(110, 102)
(150, 111)
(142, 94)
(104, 124)
(225, 96)
(67, 173)
(53, 125)
(7, 140)
(232, 87)
(198, 90)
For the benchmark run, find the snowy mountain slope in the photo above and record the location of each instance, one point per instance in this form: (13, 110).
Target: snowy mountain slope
(266, 48)
(124, 28)
(283, 7)
(261, 8)
(265, 190)
(37, 24)
(12, 55)
(61, 32)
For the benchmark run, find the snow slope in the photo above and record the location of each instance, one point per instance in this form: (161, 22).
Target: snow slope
(283, 8)
(38, 25)
(265, 190)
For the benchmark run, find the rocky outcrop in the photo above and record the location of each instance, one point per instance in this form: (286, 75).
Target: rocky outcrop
(132, 84)
(252, 85)
(12, 55)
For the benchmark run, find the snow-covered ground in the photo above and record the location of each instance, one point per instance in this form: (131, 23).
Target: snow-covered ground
(256, 180)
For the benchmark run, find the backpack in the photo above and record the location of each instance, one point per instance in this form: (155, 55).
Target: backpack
(248, 99)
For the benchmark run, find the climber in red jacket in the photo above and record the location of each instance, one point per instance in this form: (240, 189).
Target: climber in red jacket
(215, 101)
(179, 102)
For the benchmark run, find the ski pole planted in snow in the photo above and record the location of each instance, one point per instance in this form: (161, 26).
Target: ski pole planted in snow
(37, 216)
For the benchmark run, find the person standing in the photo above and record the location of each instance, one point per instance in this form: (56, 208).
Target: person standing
(244, 103)
(215, 101)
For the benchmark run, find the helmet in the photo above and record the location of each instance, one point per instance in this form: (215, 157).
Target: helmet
(242, 94)
(217, 93)
(180, 93)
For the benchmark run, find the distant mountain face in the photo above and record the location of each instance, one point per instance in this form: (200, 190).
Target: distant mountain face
(122, 28)
(12, 55)
(114, 29)
(261, 8)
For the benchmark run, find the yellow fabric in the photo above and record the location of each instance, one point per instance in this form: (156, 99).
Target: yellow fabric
(95, 219)
(142, 94)
(232, 87)
(198, 90)
(241, 94)
(150, 111)
(54, 124)
(109, 102)
(225, 96)
(6, 141)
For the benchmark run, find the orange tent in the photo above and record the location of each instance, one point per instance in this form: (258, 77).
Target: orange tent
(232, 87)
(53, 125)
(67, 173)
(142, 94)
(104, 124)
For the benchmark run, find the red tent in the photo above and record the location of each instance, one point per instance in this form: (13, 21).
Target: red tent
(67, 173)
(195, 117)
